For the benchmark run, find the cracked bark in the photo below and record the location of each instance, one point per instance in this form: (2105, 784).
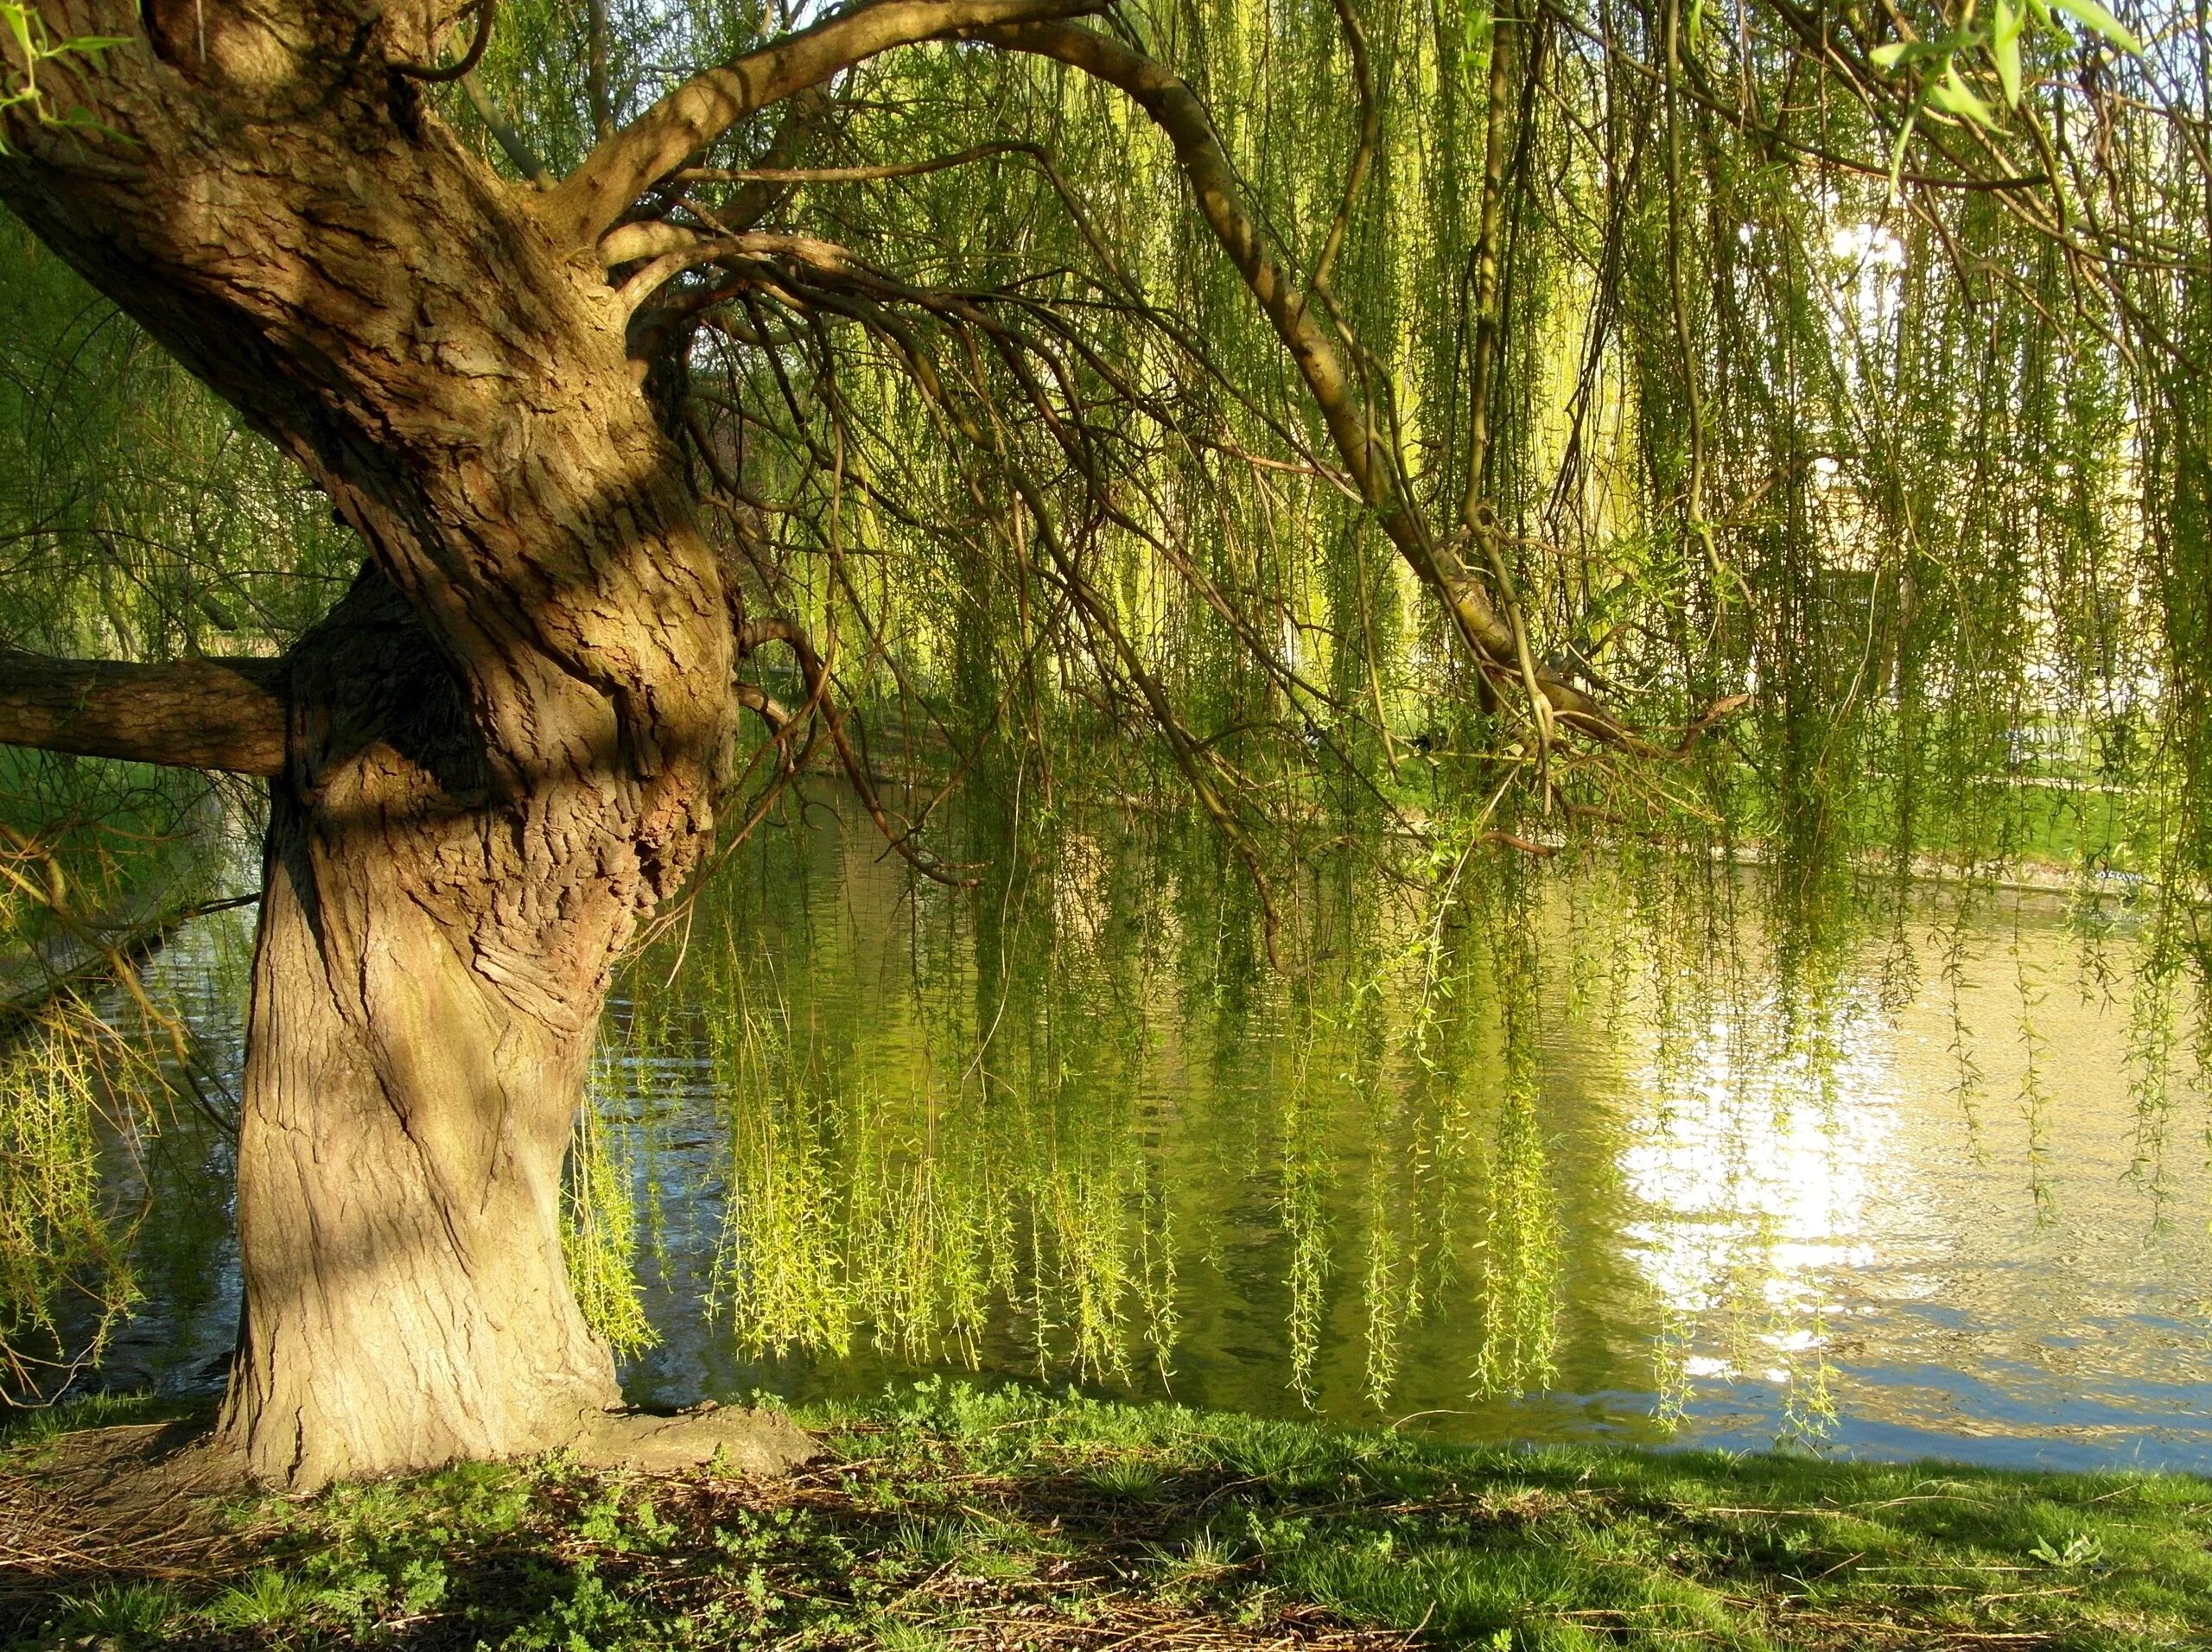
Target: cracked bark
(411, 1078)
(494, 755)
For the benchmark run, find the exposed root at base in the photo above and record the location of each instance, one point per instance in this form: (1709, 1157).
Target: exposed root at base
(737, 1440)
(145, 1500)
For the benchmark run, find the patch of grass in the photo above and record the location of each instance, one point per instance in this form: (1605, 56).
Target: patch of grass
(1125, 1477)
(950, 1516)
(27, 1428)
(269, 1599)
(126, 1614)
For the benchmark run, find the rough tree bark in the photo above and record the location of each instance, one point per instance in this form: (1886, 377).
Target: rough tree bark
(497, 753)
(499, 749)
(410, 1084)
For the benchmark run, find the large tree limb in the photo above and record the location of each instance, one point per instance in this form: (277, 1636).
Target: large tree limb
(200, 714)
(592, 197)
(1354, 422)
(1351, 421)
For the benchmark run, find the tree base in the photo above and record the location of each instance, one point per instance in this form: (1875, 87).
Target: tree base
(128, 1499)
(747, 1442)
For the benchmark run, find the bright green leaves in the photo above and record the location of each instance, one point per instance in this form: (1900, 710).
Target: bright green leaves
(1934, 63)
(1953, 97)
(2094, 17)
(2007, 21)
(26, 31)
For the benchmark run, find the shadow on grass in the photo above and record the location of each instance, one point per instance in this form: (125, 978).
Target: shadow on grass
(950, 1516)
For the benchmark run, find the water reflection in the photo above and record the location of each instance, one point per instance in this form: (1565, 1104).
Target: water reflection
(1570, 1169)
(1755, 1167)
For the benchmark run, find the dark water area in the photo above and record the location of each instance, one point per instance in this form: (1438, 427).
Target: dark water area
(1925, 1194)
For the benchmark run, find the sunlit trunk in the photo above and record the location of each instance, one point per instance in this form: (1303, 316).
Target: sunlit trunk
(412, 1076)
(399, 1175)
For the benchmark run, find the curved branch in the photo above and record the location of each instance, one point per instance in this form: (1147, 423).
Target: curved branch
(202, 713)
(805, 250)
(469, 59)
(592, 197)
(1352, 421)
(1176, 110)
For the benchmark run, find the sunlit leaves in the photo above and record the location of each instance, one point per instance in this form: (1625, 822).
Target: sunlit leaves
(2094, 17)
(1953, 97)
(26, 31)
(2009, 18)
(1932, 65)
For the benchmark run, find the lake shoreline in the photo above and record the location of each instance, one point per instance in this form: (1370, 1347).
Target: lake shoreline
(942, 1514)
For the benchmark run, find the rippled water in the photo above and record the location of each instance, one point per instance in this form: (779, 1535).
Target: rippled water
(1911, 1198)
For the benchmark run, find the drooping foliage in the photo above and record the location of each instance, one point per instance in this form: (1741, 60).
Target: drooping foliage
(1821, 394)
(1783, 377)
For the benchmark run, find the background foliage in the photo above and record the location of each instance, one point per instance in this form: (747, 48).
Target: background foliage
(1821, 390)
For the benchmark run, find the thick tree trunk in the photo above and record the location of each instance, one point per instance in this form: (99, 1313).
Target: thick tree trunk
(399, 1175)
(503, 747)
(410, 1090)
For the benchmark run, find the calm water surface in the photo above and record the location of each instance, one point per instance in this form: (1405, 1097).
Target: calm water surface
(1912, 1196)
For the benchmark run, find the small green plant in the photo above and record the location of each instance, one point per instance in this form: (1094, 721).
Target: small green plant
(2080, 1551)
(931, 1540)
(1126, 1477)
(897, 1636)
(128, 1613)
(1200, 1559)
(269, 1599)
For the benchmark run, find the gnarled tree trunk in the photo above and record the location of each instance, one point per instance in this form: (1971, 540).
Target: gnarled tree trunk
(411, 1084)
(496, 753)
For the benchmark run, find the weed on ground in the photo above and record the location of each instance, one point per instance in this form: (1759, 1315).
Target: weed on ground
(947, 1517)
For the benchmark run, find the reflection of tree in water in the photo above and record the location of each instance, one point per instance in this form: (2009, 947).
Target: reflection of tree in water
(1048, 1127)
(1021, 1118)
(1070, 1127)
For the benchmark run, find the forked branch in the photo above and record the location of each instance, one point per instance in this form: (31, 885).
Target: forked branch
(590, 200)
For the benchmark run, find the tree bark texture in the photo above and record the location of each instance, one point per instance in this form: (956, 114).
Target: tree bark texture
(500, 749)
(201, 714)
(410, 1087)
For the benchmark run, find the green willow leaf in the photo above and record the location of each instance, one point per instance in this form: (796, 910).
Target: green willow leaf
(2004, 49)
(1953, 96)
(2092, 17)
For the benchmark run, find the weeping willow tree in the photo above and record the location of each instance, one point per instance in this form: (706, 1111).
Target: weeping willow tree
(1739, 426)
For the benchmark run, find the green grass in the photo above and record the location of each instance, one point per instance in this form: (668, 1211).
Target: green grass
(26, 1431)
(952, 1516)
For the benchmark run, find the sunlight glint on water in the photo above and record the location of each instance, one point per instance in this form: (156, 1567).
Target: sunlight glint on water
(1821, 1204)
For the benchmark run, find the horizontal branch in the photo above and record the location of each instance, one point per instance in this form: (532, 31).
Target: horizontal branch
(806, 250)
(682, 124)
(199, 714)
(854, 174)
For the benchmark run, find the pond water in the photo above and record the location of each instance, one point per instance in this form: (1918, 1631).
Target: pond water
(1572, 1169)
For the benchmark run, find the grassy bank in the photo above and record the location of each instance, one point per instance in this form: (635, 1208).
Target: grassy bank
(945, 1516)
